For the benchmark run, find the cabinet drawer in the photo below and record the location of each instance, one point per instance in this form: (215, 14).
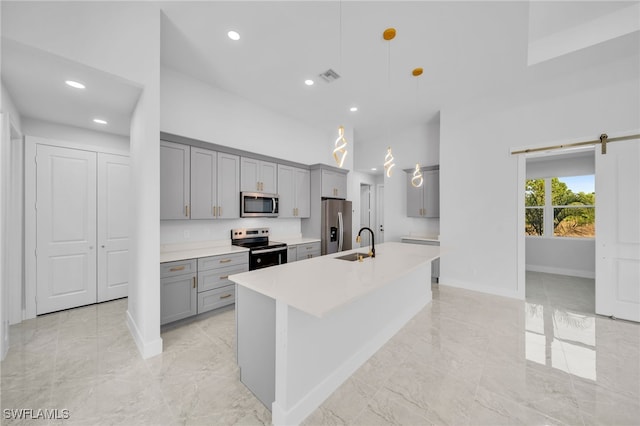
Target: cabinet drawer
(213, 299)
(222, 261)
(308, 254)
(219, 277)
(179, 267)
(308, 247)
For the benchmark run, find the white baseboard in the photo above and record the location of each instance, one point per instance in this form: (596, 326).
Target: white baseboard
(562, 271)
(510, 293)
(310, 402)
(147, 349)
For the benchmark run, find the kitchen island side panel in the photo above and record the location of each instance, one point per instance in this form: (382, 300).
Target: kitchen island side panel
(256, 342)
(314, 356)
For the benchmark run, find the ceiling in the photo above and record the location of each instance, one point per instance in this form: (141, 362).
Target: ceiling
(36, 79)
(467, 49)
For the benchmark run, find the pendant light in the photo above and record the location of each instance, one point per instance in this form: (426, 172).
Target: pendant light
(340, 150)
(388, 162)
(388, 35)
(416, 179)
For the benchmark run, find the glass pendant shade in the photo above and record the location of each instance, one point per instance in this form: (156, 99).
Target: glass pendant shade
(416, 179)
(340, 150)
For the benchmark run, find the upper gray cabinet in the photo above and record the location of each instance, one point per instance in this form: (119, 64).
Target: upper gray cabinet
(425, 200)
(294, 186)
(334, 184)
(174, 180)
(198, 183)
(258, 176)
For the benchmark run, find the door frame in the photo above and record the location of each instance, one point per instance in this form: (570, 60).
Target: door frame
(30, 241)
(521, 178)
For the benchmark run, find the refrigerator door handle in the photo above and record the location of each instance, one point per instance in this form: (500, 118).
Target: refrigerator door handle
(340, 231)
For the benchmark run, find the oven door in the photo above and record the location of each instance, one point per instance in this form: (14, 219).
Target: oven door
(264, 258)
(257, 204)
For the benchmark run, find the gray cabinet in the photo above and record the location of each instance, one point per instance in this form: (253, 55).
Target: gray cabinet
(178, 290)
(424, 201)
(292, 253)
(197, 183)
(294, 186)
(214, 288)
(334, 184)
(174, 180)
(258, 176)
(308, 251)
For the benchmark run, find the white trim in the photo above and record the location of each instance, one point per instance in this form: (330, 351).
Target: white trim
(146, 349)
(80, 146)
(30, 278)
(512, 294)
(561, 271)
(16, 281)
(312, 400)
(520, 233)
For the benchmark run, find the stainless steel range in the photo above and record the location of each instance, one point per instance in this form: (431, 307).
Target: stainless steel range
(262, 252)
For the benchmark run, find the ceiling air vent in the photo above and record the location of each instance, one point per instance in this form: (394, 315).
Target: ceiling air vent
(330, 76)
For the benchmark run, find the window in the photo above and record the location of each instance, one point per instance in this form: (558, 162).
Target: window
(560, 207)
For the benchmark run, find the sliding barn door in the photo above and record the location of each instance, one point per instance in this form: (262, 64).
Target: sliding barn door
(618, 231)
(65, 228)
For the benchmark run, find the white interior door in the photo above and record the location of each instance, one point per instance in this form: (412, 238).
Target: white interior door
(113, 226)
(618, 231)
(380, 213)
(65, 228)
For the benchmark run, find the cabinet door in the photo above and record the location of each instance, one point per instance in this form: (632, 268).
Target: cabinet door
(178, 298)
(249, 172)
(292, 253)
(431, 193)
(268, 177)
(203, 183)
(328, 184)
(286, 190)
(415, 199)
(341, 185)
(174, 180)
(228, 186)
(302, 179)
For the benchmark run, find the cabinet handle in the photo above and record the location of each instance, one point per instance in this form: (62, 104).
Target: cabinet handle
(224, 277)
(194, 282)
(186, 210)
(309, 248)
(225, 261)
(177, 268)
(220, 211)
(213, 211)
(225, 296)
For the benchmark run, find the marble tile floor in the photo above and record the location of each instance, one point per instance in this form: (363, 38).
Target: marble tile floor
(466, 359)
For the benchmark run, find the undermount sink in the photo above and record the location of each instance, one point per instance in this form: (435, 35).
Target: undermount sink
(352, 256)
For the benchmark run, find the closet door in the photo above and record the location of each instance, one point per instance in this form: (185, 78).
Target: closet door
(65, 228)
(113, 226)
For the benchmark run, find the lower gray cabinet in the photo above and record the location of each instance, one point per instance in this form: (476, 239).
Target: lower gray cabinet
(292, 253)
(308, 251)
(214, 288)
(214, 299)
(178, 290)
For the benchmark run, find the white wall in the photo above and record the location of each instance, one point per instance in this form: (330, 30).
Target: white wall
(197, 110)
(479, 178)
(91, 139)
(122, 38)
(565, 256)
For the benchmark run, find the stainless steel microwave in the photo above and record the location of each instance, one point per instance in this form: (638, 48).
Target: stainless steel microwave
(258, 204)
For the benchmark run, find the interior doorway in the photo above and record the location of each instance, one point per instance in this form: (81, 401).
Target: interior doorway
(365, 212)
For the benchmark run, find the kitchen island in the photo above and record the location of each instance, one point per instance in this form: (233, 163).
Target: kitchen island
(303, 328)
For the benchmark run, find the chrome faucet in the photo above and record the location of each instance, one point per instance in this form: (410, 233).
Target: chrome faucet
(372, 251)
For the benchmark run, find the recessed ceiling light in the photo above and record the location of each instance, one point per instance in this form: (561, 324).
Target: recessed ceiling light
(233, 35)
(374, 169)
(75, 84)
(353, 109)
(308, 82)
(99, 121)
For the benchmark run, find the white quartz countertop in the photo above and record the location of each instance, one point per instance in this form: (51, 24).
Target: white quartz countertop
(173, 252)
(321, 284)
(421, 238)
(292, 241)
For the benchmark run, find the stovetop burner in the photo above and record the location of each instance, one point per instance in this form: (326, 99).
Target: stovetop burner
(253, 239)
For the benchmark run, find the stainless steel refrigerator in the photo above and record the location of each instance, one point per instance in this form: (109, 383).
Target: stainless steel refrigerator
(336, 226)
